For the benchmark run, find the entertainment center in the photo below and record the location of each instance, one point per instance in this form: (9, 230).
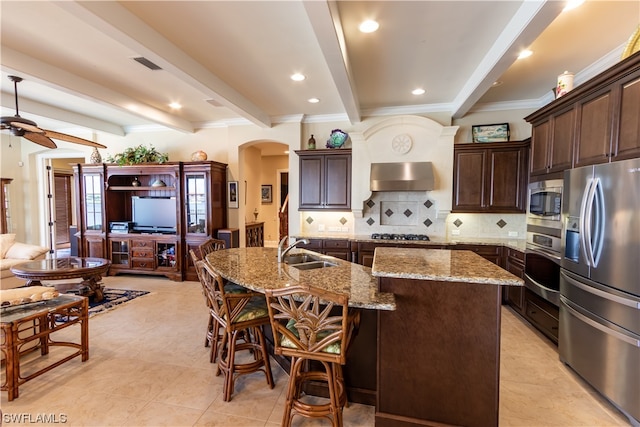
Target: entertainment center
(145, 218)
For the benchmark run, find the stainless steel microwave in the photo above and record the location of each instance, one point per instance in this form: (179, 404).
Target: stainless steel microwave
(544, 206)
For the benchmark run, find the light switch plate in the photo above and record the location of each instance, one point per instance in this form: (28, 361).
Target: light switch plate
(455, 232)
(513, 234)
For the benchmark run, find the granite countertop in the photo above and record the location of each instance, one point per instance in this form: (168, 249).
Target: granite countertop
(257, 269)
(518, 244)
(441, 265)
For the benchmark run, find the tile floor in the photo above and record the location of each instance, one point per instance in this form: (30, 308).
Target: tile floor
(148, 367)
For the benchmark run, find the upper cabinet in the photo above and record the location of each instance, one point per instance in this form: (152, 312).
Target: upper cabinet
(490, 177)
(325, 179)
(597, 122)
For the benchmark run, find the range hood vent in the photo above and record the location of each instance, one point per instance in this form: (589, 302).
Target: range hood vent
(409, 176)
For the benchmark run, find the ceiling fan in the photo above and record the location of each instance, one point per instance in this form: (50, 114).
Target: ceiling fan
(20, 126)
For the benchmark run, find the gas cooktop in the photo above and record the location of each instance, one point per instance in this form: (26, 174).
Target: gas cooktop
(386, 236)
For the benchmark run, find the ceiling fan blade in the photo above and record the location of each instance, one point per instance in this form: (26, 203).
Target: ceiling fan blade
(28, 127)
(71, 138)
(40, 138)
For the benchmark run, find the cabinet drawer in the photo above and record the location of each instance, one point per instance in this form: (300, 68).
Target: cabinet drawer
(141, 244)
(142, 253)
(143, 264)
(542, 315)
(339, 244)
(515, 255)
(312, 245)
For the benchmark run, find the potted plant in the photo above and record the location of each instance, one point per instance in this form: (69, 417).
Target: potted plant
(137, 155)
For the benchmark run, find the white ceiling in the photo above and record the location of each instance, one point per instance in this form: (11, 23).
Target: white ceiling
(229, 61)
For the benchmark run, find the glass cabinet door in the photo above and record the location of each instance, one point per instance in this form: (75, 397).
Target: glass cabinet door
(93, 201)
(196, 203)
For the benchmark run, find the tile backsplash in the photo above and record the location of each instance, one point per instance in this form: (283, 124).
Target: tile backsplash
(413, 213)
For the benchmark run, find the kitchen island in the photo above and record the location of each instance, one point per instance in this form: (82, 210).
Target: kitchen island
(435, 316)
(439, 351)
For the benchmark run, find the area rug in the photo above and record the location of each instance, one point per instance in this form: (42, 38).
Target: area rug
(112, 299)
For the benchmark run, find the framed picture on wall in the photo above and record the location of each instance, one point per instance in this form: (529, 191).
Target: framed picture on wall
(232, 194)
(266, 194)
(490, 133)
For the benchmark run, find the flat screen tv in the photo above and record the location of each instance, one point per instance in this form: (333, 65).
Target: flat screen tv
(154, 214)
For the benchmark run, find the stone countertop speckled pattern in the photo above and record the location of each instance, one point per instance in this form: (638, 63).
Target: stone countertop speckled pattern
(257, 269)
(518, 244)
(440, 265)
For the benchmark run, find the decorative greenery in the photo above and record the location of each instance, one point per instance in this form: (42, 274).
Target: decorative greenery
(139, 154)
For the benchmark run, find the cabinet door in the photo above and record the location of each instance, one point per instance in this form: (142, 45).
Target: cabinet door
(540, 148)
(593, 143)
(195, 203)
(628, 142)
(507, 180)
(311, 183)
(337, 182)
(468, 180)
(561, 148)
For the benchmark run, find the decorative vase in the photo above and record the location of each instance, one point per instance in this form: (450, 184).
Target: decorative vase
(95, 156)
(337, 139)
(312, 143)
(199, 156)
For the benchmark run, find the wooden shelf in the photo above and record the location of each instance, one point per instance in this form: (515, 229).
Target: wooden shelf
(141, 188)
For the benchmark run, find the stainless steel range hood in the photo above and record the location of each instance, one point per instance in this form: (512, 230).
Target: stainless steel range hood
(410, 176)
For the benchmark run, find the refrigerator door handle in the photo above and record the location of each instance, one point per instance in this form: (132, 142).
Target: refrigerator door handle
(598, 227)
(602, 294)
(567, 304)
(586, 208)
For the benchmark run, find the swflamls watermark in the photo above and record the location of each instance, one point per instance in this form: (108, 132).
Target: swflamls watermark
(29, 418)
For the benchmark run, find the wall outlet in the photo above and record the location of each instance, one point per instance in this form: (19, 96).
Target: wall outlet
(320, 227)
(513, 234)
(455, 232)
(334, 228)
(345, 229)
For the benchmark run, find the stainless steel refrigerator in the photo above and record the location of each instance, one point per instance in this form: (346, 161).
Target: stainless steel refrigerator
(599, 333)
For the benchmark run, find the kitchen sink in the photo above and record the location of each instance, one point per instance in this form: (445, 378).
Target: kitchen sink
(299, 259)
(311, 265)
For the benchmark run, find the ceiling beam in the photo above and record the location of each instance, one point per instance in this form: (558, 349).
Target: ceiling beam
(118, 23)
(54, 113)
(75, 85)
(326, 24)
(527, 24)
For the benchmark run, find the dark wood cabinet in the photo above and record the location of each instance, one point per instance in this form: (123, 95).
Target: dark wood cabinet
(105, 194)
(325, 179)
(489, 252)
(514, 264)
(337, 248)
(552, 144)
(490, 177)
(597, 122)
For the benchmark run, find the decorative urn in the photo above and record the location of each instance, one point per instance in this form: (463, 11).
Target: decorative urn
(337, 139)
(199, 156)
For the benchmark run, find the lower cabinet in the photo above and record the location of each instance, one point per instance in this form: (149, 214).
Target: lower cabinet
(157, 255)
(514, 295)
(488, 252)
(337, 248)
(542, 314)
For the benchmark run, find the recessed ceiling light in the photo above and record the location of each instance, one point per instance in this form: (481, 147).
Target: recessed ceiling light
(525, 54)
(496, 83)
(313, 100)
(418, 91)
(297, 77)
(175, 106)
(368, 26)
(572, 4)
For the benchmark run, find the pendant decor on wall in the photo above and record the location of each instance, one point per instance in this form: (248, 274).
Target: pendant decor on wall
(402, 143)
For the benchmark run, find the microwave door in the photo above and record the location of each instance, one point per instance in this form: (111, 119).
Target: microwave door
(618, 213)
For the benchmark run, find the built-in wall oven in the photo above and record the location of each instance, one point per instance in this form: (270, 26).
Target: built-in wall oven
(544, 231)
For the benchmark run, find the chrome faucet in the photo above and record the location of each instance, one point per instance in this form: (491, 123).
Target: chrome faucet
(283, 252)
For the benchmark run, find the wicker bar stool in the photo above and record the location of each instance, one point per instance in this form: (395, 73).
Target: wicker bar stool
(307, 328)
(212, 324)
(242, 315)
(211, 245)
